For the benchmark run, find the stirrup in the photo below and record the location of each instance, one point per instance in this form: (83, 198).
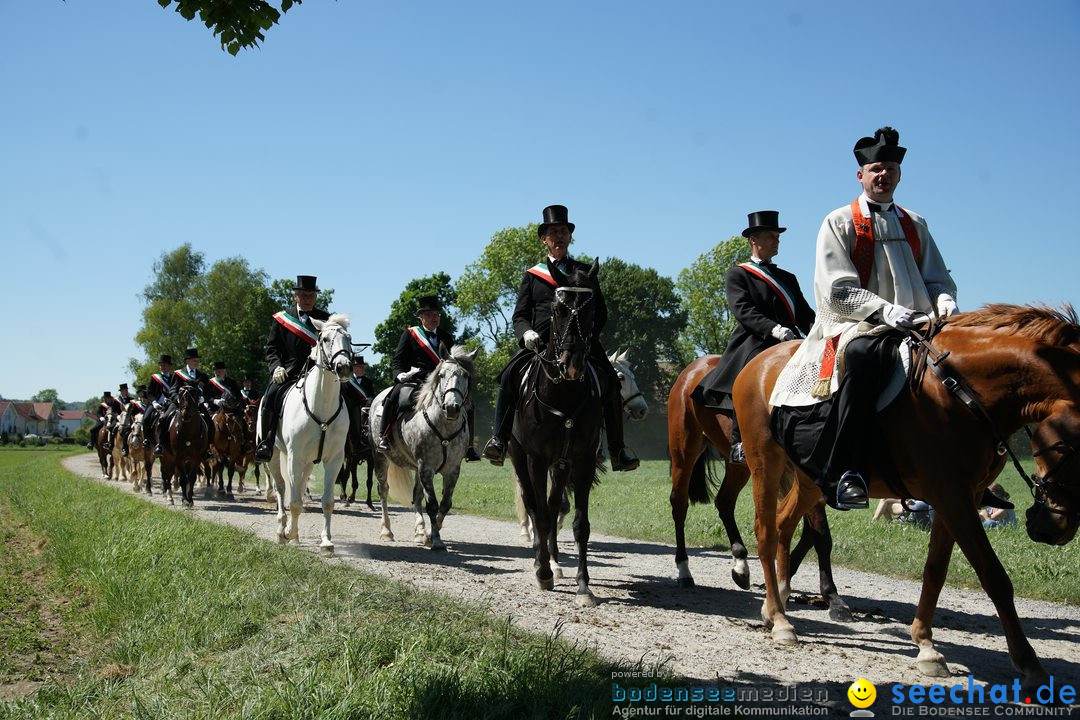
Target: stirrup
(738, 454)
(851, 492)
(495, 451)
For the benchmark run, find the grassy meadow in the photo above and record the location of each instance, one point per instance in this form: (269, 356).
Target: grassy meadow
(151, 613)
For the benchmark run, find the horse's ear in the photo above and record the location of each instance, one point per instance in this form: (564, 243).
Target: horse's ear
(613, 357)
(625, 357)
(473, 354)
(443, 352)
(594, 269)
(318, 324)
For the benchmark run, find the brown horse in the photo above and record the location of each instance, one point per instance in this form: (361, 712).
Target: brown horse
(691, 428)
(1020, 365)
(188, 440)
(103, 446)
(227, 448)
(247, 459)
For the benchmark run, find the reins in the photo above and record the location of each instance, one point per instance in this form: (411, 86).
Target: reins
(329, 367)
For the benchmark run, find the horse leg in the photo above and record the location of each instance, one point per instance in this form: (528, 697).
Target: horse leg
(533, 476)
(816, 532)
(791, 510)
(582, 486)
(332, 466)
(384, 492)
(686, 448)
(342, 480)
(370, 470)
(426, 481)
(556, 497)
(735, 479)
(766, 472)
(354, 465)
(939, 551)
(449, 482)
(522, 514)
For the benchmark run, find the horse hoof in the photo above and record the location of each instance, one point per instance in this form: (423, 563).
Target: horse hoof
(784, 636)
(171, 501)
(387, 535)
(686, 582)
(440, 547)
(281, 539)
(326, 550)
(230, 496)
(545, 583)
(741, 579)
(932, 664)
(370, 506)
(557, 573)
(840, 613)
(585, 600)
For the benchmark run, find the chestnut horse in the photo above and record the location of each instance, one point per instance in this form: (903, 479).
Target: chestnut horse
(691, 428)
(228, 447)
(188, 440)
(994, 371)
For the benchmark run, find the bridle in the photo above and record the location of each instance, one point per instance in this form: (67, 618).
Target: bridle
(566, 336)
(325, 361)
(445, 441)
(1040, 486)
(345, 350)
(626, 401)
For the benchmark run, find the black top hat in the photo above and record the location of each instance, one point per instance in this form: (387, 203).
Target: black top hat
(219, 365)
(191, 353)
(140, 389)
(555, 215)
(165, 358)
(883, 147)
(762, 220)
(305, 283)
(427, 302)
(358, 360)
(247, 378)
(123, 386)
(106, 394)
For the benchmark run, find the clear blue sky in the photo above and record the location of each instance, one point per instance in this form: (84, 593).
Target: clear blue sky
(371, 143)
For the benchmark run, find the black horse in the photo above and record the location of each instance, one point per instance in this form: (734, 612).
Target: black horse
(557, 427)
(358, 449)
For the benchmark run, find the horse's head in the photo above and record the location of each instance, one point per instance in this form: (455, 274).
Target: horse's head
(1054, 517)
(187, 399)
(451, 383)
(572, 314)
(633, 400)
(333, 350)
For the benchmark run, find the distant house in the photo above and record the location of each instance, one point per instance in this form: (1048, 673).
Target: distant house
(36, 418)
(7, 417)
(69, 421)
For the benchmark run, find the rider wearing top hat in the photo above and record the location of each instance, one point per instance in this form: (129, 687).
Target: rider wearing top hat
(878, 271)
(768, 307)
(222, 391)
(125, 400)
(159, 392)
(292, 335)
(532, 321)
(191, 375)
(418, 352)
(108, 402)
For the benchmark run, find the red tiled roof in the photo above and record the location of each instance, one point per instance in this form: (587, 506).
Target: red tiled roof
(4, 405)
(34, 411)
(72, 414)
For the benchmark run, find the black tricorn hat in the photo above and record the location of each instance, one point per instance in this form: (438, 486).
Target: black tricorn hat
(426, 303)
(358, 360)
(123, 386)
(305, 283)
(191, 353)
(555, 215)
(762, 220)
(220, 365)
(165, 358)
(883, 147)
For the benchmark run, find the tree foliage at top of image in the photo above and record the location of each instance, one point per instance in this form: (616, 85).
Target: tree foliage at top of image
(238, 24)
(709, 322)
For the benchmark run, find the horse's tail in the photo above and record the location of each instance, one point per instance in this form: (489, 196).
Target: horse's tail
(401, 482)
(703, 479)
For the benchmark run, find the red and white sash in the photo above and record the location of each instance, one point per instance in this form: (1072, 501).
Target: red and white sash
(785, 297)
(420, 336)
(224, 390)
(541, 271)
(189, 375)
(356, 386)
(160, 379)
(296, 327)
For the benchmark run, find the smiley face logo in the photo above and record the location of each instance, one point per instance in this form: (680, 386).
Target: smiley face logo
(862, 693)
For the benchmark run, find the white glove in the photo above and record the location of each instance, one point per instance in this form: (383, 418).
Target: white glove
(219, 402)
(899, 317)
(279, 375)
(782, 333)
(946, 306)
(531, 339)
(403, 376)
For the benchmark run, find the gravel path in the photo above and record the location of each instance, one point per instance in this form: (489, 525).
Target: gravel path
(710, 632)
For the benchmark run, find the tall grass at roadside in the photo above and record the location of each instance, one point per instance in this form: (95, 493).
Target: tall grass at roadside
(192, 619)
(635, 505)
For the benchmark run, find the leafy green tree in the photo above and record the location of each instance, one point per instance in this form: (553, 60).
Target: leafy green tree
(48, 395)
(281, 291)
(171, 319)
(236, 24)
(403, 315)
(709, 322)
(644, 316)
(487, 289)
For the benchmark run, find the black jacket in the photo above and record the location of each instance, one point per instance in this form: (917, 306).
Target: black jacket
(757, 309)
(353, 396)
(286, 349)
(410, 354)
(201, 381)
(212, 392)
(533, 308)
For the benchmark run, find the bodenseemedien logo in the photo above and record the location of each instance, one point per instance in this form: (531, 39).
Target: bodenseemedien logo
(862, 694)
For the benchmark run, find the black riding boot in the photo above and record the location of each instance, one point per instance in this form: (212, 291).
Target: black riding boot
(162, 433)
(268, 421)
(495, 450)
(621, 458)
(470, 452)
(738, 456)
(389, 415)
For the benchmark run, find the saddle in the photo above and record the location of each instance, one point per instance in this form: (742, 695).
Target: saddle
(901, 369)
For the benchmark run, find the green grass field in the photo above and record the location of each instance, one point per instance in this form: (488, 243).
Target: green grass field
(177, 617)
(635, 505)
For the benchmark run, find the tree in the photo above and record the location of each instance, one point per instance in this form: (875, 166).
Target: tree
(709, 323)
(236, 24)
(281, 291)
(644, 316)
(487, 289)
(403, 315)
(170, 319)
(48, 395)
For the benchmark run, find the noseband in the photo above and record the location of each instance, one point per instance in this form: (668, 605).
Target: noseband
(568, 336)
(328, 365)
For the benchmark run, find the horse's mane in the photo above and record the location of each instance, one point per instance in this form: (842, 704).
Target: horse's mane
(459, 355)
(338, 319)
(1053, 327)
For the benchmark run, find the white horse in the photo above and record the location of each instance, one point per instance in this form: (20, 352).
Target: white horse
(635, 407)
(313, 429)
(432, 439)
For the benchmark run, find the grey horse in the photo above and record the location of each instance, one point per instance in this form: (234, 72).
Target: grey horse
(431, 438)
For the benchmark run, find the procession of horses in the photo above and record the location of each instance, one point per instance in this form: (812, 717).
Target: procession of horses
(991, 373)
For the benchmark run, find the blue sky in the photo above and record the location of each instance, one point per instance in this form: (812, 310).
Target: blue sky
(371, 143)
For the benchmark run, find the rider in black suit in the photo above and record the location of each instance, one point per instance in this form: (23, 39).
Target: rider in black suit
(418, 352)
(532, 323)
(769, 308)
(292, 335)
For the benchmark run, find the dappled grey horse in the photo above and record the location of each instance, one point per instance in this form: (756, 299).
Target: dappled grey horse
(429, 439)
